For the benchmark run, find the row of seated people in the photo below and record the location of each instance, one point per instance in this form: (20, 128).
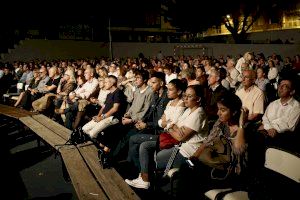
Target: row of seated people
(66, 94)
(195, 73)
(184, 114)
(194, 69)
(87, 84)
(48, 91)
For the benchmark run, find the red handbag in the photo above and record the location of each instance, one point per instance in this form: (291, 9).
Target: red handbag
(166, 141)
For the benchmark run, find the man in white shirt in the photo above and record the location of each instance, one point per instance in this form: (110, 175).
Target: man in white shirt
(278, 124)
(282, 115)
(89, 86)
(252, 97)
(84, 93)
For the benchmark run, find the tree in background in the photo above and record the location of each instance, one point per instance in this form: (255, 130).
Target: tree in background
(241, 17)
(237, 16)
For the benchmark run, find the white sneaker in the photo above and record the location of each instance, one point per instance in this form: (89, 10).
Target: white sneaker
(138, 183)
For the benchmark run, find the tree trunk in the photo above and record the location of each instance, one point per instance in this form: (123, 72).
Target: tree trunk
(239, 38)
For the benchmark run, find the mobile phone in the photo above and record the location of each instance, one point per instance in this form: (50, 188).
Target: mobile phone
(190, 163)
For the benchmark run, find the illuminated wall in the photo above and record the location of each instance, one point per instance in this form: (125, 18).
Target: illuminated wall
(289, 20)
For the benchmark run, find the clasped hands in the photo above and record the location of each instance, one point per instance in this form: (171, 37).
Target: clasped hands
(140, 125)
(97, 118)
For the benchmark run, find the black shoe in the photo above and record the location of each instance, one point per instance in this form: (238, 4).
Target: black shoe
(100, 152)
(105, 160)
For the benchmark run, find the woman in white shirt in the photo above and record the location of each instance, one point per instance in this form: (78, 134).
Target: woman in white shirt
(173, 111)
(174, 108)
(191, 128)
(102, 94)
(273, 72)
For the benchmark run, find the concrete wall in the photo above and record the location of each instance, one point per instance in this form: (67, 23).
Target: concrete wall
(56, 49)
(283, 35)
(150, 50)
(60, 49)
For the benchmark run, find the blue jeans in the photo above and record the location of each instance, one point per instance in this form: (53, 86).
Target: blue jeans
(122, 145)
(134, 146)
(146, 155)
(163, 157)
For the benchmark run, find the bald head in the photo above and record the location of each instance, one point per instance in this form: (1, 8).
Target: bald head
(89, 73)
(249, 77)
(251, 73)
(53, 71)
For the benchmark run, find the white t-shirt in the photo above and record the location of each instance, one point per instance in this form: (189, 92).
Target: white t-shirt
(197, 121)
(172, 113)
(170, 77)
(102, 96)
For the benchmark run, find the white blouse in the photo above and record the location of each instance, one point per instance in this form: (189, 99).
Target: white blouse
(196, 121)
(273, 73)
(172, 113)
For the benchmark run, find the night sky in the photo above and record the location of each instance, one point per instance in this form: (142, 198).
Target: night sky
(193, 13)
(121, 12)
(70, 11)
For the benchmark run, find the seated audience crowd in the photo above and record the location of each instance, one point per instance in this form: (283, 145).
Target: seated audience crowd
(126, 106)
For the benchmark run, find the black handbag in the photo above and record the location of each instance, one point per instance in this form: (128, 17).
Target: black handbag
(78, 137)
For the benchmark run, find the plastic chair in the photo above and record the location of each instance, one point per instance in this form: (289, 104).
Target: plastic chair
(277, 160)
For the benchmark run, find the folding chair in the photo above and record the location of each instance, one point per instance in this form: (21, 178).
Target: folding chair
(279, 161)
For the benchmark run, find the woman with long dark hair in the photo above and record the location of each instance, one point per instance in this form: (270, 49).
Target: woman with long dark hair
(231, 126)
(141, 154)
